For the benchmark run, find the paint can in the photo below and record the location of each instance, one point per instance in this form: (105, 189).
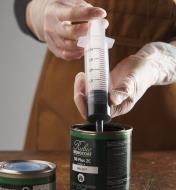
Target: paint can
(100, 161)
(27, 175)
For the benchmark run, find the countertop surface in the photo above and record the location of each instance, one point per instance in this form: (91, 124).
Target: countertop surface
(150, 170)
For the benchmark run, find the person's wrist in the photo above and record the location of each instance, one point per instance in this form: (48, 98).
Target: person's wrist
(163, 62)
(153, 70)
(34, 24)
(28, 17)
(148, 59)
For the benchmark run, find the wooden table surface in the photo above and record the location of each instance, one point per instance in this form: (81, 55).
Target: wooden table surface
(150, 170)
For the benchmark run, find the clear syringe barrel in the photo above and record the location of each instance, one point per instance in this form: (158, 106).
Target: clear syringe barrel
(96, 46)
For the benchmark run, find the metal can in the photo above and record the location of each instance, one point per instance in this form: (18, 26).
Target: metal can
(27, 175)
(100, 161)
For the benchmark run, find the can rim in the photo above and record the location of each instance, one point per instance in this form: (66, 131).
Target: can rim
(49, 170)
(122, 129)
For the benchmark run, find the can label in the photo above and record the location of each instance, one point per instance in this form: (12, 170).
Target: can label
(101, 164)
(49, 186)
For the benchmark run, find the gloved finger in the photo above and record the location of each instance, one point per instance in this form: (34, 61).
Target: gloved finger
(70, 45)
(123, 108)
(117, 97)
(62, 53)
(75, 3)
(71, 55)
(118, 102)
(121, 98)
(70, 31)
(61, 36)
(77, 13)
(74, 31)
(52, 46)
(79, 94)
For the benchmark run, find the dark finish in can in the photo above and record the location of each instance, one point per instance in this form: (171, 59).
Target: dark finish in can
(100, 161)
(27, 175)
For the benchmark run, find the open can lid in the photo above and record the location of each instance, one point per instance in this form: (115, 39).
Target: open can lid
(26, 168)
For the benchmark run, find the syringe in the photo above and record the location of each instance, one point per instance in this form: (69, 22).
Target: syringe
(96, 46)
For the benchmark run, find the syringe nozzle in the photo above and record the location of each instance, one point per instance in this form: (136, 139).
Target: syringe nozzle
(99, 126)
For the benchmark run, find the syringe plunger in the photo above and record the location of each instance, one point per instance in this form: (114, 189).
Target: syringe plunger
(97, 27)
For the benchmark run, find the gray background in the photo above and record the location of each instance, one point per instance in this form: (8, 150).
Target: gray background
(20, 63)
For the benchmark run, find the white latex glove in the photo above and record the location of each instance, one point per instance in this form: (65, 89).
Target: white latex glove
(51, 21)
(154, 64)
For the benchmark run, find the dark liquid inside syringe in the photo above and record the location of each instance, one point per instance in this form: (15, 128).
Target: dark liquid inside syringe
(98, 108)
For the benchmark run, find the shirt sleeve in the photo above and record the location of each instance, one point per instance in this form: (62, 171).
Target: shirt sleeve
(20, 15)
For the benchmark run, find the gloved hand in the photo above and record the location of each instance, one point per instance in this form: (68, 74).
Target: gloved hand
(154, 64)
(50, 21)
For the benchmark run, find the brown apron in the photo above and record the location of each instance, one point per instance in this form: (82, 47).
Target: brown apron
(133, 23)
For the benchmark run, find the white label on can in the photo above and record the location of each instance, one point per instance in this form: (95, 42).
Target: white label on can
(49, 186)
(85, 169)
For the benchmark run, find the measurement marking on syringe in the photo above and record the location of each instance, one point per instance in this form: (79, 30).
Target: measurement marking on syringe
(96, 48)
(102, 73)
(102, 81)
(94, 70)
(102, 77)
(102, 69)
(91, 80)
(93, 59)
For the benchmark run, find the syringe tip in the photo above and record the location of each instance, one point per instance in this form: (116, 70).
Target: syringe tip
(99, 126)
